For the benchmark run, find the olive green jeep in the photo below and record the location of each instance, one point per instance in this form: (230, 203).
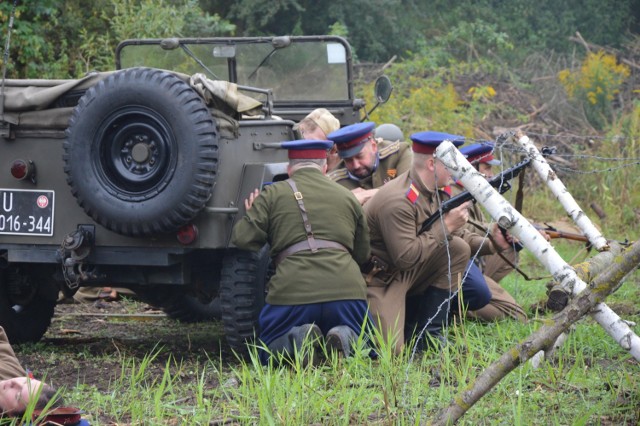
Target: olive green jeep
(134, 178)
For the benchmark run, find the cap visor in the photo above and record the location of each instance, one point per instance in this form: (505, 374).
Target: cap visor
(347, 153)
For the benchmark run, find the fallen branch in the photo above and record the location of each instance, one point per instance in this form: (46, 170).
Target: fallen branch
(588, 300)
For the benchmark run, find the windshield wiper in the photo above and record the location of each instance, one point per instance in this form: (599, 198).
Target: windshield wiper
(173, 43)
(277, 43)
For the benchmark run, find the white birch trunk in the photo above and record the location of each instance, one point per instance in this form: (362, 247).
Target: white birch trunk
(510, 219)
(554, 183)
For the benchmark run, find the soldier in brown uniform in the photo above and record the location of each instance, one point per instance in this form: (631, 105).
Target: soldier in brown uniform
(318, 236)
(428, 266)
(494, 267)
(367, 163)
(17, 386)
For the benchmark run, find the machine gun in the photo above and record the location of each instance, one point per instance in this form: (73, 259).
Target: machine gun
(499, 182)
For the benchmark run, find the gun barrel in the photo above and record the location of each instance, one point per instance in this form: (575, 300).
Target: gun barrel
(500, 182)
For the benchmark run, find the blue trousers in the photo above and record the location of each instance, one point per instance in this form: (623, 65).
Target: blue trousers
(475, 292)
(276, 320)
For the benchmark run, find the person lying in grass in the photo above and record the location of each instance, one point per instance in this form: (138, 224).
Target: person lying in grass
(17, 387)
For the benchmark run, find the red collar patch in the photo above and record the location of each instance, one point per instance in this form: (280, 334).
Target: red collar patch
(413, 193)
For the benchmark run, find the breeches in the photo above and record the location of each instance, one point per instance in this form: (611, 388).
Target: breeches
(276, 320)
(387, 299)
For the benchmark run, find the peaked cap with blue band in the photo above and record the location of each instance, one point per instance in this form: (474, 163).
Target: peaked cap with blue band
(351, 139)
(427, 142)
(480, 152)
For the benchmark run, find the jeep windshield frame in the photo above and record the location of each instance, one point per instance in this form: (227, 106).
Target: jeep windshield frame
(301, 72)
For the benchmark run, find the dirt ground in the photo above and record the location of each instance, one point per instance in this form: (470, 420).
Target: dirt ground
(87, 341)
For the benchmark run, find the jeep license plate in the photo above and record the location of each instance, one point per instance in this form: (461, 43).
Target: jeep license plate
(26, 212)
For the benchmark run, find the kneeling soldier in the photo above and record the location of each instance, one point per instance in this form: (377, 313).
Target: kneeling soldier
(318, 236)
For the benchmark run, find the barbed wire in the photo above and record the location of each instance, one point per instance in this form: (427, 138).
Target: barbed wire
(505, 146)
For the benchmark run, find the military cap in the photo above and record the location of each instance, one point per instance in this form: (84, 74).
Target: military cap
(307, 149)
(427, 142)
(481, 153)
(322, 118)
(351, 139)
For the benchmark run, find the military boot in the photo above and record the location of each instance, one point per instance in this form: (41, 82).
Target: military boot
(431, 314)
(341, 339)
(293, 341)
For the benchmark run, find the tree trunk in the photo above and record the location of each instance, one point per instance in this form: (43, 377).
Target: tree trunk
(554, 183)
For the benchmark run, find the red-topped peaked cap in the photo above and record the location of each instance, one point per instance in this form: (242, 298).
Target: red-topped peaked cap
(307, 149)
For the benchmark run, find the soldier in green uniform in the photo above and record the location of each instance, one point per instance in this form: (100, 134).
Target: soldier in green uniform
(318, 236)
(367, 163)
(426, 267)
(17, 386)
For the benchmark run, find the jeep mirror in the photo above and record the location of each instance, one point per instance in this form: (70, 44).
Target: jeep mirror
(382, 92)
(224, 51)
(383, 89)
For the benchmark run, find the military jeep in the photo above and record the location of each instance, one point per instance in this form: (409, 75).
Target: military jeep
(135, 177)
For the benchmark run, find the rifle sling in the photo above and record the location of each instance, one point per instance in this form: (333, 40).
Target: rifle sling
(502, 256)
(520, 192)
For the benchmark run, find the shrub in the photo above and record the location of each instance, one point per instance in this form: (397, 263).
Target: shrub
(595, 85)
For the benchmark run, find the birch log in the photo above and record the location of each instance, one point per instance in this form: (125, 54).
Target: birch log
(554, 183)
(586, 271)
(588, 300)
(510, 219)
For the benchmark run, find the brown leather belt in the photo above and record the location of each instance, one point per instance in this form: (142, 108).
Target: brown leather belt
(304, 246)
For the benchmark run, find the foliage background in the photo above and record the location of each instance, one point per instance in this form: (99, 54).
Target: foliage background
(565, 72)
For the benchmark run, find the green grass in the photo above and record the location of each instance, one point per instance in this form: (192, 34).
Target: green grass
(592, 381)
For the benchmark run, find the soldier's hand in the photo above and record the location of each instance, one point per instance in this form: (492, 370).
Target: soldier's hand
(364, 195)
(503, 241)
(456, 218)
(252, 197)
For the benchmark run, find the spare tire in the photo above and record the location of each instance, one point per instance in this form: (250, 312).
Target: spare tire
(141, 152)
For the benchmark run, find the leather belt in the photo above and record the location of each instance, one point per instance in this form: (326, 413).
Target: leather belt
(304, 246)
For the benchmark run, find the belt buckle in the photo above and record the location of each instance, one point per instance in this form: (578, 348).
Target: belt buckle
(298, 195)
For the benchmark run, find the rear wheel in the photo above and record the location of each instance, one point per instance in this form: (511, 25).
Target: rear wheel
(242, 290)
(181, 305)
(25, 313)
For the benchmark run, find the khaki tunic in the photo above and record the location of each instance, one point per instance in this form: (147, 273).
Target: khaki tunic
(416, 261)
(335, 215)
(9, 365)
(494, 269)
(394, 158)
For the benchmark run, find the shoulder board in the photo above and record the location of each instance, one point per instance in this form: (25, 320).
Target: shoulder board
(388, 150)
(412, 193)
(339, 174)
